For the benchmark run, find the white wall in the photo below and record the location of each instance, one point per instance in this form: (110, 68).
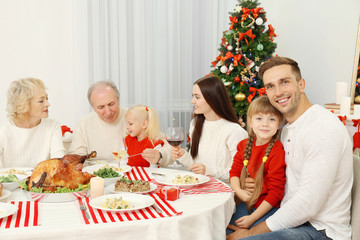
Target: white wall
(47, 40)
(37, 41)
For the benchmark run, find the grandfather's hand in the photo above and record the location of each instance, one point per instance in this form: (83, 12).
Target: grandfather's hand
(177, 152)
(198, 168)
(249, 185)
(151, 155)
(239, 233)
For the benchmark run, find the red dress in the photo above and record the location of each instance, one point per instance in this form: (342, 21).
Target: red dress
(134, 147)
(274, 170)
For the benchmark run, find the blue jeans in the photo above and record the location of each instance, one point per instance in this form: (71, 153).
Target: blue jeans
(303, 232)
(242, 211)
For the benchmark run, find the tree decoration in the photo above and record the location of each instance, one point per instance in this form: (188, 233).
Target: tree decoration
(247, 44)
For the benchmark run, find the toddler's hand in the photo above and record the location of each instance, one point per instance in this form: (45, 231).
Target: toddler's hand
(244, 222)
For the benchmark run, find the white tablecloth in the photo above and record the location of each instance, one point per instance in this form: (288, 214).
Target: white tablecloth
(205, 216)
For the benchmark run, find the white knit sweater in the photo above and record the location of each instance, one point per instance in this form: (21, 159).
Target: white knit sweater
(217, 147)
(26, 147)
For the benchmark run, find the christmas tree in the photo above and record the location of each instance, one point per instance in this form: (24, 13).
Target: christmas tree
(246, 44)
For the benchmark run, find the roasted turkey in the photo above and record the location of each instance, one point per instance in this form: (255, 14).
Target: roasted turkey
(60, 172)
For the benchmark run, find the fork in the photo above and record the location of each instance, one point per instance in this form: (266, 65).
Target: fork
(83, 208)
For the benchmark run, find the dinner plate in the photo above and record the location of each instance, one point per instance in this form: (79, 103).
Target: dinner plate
(138, 201)
(7, 209)
(17, 170)
(111, 188)
(167, 179)
(5, 194)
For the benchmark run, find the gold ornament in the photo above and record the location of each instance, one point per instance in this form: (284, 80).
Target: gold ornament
(358, 80)
(257, 59)
(240, 97)
(357, 99)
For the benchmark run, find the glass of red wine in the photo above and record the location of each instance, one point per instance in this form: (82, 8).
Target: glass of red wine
(175, 136)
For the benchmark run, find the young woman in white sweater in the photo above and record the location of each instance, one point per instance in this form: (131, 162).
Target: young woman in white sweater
(29, 137)
(214, 131)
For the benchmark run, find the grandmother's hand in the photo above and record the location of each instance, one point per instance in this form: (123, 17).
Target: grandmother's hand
(198, 168)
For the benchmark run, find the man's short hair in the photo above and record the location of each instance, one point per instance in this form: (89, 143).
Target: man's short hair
(277, 61)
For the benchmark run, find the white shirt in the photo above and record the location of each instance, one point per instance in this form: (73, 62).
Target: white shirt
(93, 134)
(217, 147)
(26, 147)
(318, 155)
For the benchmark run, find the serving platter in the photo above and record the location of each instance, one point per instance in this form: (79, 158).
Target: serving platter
(138, 201)
(111, 188)
(167, 179)
(5, 194)
(55, 197)
(7, 209)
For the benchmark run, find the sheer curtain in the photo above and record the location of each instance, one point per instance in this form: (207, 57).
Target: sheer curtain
(155, 49)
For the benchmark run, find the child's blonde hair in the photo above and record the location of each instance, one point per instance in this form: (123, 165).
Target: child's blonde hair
(149, 114)
(259, 105)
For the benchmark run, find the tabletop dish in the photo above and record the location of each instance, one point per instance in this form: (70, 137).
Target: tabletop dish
(7, 209)
(18, 170)
(168, 178)
(137, 201)
(5, 194)
(107, 181)
(55, 197)
(111, 188)
(15, 184)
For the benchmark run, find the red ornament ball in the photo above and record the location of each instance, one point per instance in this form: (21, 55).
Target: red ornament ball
(237, 79)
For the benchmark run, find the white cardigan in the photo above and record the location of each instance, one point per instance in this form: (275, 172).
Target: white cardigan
(217, 147)
(26, 147)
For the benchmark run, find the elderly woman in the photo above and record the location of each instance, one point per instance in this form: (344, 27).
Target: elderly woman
(29, 137)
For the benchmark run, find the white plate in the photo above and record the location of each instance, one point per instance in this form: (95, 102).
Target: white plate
(5, 194)
(18, 170)
(107, 181)
(139, 201)
(13, 185)
(7, 209)
(55, 197)
(111, 188)
(168, 177)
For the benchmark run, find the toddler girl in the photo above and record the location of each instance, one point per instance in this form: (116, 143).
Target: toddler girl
(262, 158)
(143, 127)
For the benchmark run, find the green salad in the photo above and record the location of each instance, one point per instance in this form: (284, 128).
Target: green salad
(8, 178)
(80, 187)
(107, 173)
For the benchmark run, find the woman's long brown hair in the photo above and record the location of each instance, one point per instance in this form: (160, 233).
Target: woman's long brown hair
(215, 94)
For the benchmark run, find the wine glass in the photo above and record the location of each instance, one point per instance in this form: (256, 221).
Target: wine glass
(175, 136)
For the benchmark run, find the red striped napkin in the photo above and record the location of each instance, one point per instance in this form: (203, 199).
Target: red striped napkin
(99, 216)
(26, 216)
(212, 186)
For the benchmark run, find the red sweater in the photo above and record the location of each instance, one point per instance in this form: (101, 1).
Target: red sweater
(134, 147)
(274, 170)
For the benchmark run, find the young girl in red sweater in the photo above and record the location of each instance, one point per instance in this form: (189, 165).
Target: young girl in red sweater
(262, 158)
(143, 127)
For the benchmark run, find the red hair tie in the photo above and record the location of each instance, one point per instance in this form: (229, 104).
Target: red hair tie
(146, 108)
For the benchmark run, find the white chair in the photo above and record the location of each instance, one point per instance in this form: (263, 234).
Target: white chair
(355, 207)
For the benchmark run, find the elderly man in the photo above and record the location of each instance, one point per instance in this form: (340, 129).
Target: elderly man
(103, 129)
(318, 155)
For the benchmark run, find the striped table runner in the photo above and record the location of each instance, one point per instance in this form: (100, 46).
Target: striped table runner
(98, 216)
(26, 216)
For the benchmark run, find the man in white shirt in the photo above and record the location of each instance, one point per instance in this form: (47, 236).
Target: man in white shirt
(103, 130)
(319, 172)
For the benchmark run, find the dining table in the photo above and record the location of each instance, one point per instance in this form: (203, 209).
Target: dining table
(201, 211)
